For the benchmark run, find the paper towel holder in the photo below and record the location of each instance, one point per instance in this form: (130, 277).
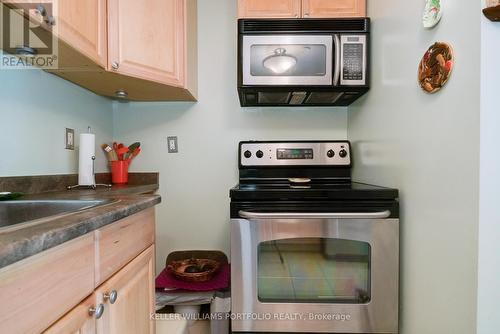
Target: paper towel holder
(92, 186)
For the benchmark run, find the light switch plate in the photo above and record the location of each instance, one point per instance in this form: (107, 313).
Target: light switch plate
(172, 145)
(70, 139)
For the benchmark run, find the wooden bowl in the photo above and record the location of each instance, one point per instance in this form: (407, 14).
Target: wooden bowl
(194, 270)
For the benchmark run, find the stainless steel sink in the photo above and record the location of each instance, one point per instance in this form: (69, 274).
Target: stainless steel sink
(21, 211)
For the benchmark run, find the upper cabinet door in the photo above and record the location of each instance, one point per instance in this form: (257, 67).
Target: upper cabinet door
(333, 8)
(82, 24)
(147, 39)
(269, 8)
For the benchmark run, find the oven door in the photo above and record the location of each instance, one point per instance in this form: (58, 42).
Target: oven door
(301, 60)
(315, 272)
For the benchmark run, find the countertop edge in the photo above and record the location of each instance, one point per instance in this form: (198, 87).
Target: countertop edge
(84, 222)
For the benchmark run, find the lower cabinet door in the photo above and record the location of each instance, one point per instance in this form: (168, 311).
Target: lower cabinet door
(80, 320)
(128, 298)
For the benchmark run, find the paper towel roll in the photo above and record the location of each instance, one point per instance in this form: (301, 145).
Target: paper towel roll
(85, 162)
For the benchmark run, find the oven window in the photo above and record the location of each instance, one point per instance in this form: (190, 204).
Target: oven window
(288, 60)
(314, 270)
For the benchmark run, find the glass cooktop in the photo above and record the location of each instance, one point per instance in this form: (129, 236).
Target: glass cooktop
(305, 191)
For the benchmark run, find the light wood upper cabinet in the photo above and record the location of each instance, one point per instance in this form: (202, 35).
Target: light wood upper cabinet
(152, 52)
(145, 50)
(134, 285)
(82, 24)
(147, 39)
(80, 28)
(301, 8)
(333, 8)
(269, 8)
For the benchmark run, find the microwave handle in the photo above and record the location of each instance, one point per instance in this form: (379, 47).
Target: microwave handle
(337, 69)
(314, 215)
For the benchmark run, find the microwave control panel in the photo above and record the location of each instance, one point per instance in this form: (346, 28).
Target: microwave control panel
(353, 59)
(335, 153)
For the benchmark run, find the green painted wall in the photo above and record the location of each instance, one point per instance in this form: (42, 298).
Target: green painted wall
(35, 109)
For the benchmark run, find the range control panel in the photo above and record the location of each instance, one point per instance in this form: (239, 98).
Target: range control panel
(307, 153)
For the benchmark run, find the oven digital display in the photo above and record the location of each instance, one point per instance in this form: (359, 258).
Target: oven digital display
(294, 153)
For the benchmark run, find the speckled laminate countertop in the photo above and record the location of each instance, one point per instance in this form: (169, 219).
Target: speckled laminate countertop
(31, 238)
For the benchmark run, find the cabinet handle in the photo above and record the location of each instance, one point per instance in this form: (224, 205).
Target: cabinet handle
(306, 14)
(111, 296)
(97, 311)
(115, 65)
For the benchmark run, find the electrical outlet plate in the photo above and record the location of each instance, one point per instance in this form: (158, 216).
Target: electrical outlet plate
(172, 145)
(70, 139)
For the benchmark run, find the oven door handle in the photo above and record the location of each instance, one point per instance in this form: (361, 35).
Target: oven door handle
(314, 215)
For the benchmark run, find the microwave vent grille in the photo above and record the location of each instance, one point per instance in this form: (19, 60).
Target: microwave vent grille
(304, 25)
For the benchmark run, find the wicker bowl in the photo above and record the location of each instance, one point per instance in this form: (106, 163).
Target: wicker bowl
(194, 270)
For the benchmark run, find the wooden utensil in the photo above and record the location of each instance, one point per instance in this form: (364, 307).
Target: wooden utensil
(110, 153)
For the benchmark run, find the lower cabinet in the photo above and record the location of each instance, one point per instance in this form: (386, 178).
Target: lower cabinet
(79, 320)
(128, 298)
(101, 282)
(121, 305)
(40, 289)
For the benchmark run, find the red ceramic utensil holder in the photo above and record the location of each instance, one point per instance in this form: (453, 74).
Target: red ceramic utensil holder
(119, 172)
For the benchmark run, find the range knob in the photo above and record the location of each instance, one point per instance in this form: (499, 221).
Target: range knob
(330, 154)
(259, 154)
(343, 153)
(247, 154)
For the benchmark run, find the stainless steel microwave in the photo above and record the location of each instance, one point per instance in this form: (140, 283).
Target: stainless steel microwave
(301, 62)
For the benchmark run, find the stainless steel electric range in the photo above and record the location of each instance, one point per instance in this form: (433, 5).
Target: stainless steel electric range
(311, 251)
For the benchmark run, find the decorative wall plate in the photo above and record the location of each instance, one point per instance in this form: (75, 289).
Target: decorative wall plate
(432, 13)
(435, 67)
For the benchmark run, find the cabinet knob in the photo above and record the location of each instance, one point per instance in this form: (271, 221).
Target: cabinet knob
(97, 311)
(306, 14)
(121, 94)
(296, 16)
(25, 51)
(115, 65)
(111, 296)
(50, 20)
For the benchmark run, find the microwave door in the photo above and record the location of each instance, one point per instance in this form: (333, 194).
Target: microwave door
(297, 60)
